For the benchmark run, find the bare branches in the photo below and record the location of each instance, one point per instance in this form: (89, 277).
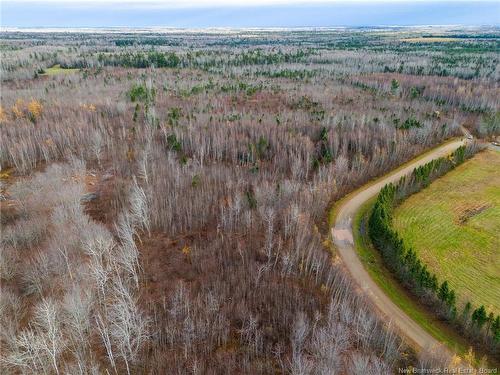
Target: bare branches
(48, 329)
(206, 192)
(139, 207)
(80, 260)
(128, 328)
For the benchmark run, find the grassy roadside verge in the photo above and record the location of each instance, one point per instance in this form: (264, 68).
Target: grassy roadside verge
(373, 263)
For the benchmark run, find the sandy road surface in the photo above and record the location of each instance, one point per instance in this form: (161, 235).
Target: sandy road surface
(343, 240)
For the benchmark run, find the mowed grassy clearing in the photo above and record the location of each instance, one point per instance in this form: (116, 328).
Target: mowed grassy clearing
(56, 69)
(454, 226)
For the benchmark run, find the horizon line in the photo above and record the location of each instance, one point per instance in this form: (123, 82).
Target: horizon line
(263, 28)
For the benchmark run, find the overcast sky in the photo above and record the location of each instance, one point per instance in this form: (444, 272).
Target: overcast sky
(247, 13)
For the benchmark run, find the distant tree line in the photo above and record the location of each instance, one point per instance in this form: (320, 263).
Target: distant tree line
(141, 60)
(404, 262)
(148, 41)
(170, 59)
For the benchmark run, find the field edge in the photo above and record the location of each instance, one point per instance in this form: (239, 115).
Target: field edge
(373, 263)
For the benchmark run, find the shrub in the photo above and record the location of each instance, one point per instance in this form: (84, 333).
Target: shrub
(394, 86)
(34, 110)
(138, 93)
(18, 109)
(410, 122)
(3, 115)
(174, 115)
(415, 92)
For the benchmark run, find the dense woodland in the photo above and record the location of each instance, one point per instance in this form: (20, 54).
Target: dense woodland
(164, 195)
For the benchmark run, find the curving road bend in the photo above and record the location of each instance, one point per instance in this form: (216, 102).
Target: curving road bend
(343, 239)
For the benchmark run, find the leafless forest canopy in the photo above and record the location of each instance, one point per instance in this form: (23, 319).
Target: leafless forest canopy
(164, 195)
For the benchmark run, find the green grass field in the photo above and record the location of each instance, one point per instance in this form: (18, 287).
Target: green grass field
(454, 226)
(56, 69)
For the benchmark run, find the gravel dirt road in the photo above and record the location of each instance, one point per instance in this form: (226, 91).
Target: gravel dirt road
(343, 239)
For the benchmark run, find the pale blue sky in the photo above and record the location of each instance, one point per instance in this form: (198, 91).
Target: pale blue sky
(247, 13)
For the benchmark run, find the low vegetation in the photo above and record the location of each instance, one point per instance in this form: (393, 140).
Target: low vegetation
(54, 70)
